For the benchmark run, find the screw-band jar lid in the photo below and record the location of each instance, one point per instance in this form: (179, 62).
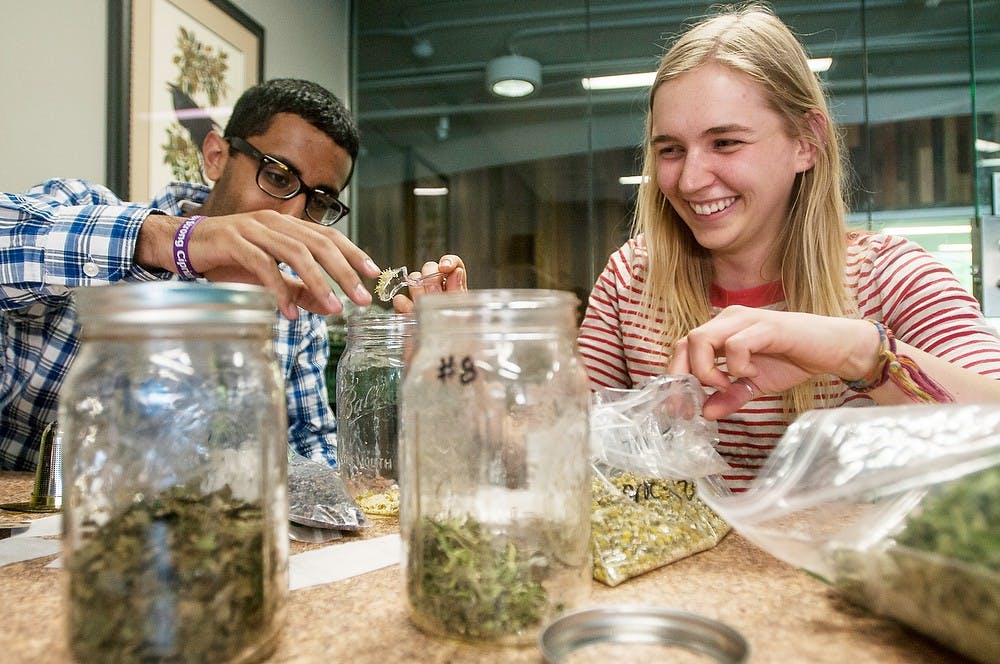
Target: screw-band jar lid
(642, 625)
(161, 303)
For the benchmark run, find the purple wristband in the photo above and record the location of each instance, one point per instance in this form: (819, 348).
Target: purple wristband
(181, 258)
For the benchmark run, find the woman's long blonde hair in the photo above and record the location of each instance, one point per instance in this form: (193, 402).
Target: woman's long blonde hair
(750, 39)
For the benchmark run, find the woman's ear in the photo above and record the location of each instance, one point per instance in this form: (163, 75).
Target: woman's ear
(214, 154)
(813, 138)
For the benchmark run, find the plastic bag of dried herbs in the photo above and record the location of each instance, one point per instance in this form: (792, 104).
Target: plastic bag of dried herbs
(640, 523)
(898, 508)
(648, 444)
(318, 499)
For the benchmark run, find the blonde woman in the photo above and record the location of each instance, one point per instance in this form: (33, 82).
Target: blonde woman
(741, 271)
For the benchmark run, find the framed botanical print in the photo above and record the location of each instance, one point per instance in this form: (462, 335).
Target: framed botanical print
(176, 67)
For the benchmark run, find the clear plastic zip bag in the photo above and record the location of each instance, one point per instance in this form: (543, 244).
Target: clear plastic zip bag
(896, 507)
(648, 445)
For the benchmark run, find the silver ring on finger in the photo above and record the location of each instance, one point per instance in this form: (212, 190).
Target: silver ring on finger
(752, 389)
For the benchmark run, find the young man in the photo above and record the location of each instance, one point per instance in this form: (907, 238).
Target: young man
(288, 151)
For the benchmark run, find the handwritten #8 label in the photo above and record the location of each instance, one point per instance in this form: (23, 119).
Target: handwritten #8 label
(447, 371)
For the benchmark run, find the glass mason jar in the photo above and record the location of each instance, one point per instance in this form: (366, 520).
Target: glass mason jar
(175, 531)
(336, 335)
(495, 505)
(369, 376)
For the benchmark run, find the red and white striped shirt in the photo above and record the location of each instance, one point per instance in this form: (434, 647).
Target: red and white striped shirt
(892, 279)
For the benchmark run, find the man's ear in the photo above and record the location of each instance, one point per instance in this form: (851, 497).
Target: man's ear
(214, 154)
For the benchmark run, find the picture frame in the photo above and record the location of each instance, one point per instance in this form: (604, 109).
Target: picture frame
(175, 69)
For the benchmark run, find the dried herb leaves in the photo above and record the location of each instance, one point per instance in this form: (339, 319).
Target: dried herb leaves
(640, 523)
(471, 583)
(177, 577)
(942, 573)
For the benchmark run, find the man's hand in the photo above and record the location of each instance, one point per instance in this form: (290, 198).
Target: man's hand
(453, 279)
(248, 247)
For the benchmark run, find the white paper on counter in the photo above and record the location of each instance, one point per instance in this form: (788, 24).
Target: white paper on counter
(47, 526)
(20, 548)
(27, 544)
(311, 568)
(342, 561)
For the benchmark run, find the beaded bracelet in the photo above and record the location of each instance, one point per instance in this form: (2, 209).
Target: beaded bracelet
(181, 259)
(901, 370)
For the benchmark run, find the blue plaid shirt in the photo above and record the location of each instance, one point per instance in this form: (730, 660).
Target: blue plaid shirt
(64, 234)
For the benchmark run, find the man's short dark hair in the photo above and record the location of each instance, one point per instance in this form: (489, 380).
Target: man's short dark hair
(256, 108)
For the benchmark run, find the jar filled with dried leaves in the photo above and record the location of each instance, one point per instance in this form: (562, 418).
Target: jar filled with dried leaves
(369, 376)
(495, 504)
(174, 434)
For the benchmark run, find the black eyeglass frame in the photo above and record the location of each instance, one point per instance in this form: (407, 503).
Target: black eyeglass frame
(338, 207)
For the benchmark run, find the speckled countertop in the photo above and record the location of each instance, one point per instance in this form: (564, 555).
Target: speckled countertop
(787, 615)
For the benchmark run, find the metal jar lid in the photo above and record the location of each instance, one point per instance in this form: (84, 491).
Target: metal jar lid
(642, 625)
(163, 303)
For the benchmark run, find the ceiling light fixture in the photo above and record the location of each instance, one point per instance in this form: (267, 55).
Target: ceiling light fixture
(618, 81)
(632, 179)
(513, 76)
(430, 191)
(820, 65)
(646, 78)
(982, 145)
(927, 230)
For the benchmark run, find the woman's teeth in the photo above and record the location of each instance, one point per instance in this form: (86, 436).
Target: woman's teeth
(714, 206)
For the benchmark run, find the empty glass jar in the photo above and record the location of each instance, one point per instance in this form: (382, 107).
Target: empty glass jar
(495, 511)
(174, 436)
(369, 377)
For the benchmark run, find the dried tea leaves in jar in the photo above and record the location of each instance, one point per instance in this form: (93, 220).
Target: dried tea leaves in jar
(176, 577)
(473, 583)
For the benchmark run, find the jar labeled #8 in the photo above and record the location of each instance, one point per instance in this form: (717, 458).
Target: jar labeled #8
(174, 435)
(495, 506)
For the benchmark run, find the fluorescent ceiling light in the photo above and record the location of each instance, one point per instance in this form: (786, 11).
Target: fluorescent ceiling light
(926, 230)
(639, 80)
(430, 191)
(982, 145)
(646, 78)
(632, 179)
(818, 65)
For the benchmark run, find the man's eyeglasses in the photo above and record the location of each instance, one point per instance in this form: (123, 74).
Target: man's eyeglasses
(280, 180)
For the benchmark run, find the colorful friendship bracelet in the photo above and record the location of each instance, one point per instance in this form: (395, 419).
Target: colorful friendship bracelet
(181, 258)
(901, 370)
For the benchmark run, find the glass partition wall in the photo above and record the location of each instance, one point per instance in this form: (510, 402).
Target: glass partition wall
(538, 190)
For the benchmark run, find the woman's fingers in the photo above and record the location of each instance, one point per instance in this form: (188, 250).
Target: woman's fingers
(730, 399)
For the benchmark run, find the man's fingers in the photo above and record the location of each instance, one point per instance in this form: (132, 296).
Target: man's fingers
(312, 252)
(456, 281)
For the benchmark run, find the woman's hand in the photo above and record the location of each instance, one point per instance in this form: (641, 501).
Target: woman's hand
(453, 279)
(767, 352)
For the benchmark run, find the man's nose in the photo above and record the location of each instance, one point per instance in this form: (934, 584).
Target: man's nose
(294, 206)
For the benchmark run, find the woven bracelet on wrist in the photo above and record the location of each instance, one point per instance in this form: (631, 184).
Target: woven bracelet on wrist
(902, 371)
(182, 260)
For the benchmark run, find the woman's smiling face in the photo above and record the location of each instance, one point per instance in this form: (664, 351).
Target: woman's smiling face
(724, 159)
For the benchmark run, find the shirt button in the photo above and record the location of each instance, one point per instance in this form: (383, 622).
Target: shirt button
(90, 269)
